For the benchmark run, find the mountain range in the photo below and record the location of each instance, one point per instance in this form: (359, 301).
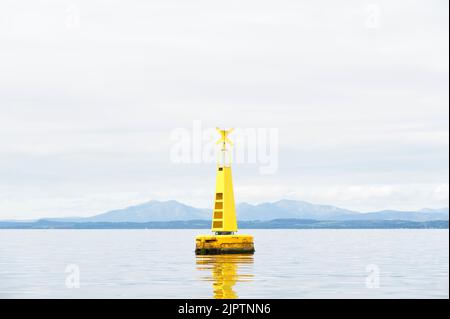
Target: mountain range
(159, 211)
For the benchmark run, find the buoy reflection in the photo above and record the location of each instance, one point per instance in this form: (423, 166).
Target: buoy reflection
(225, 271)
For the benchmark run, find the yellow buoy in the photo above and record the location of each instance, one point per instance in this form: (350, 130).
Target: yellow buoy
(224, 223)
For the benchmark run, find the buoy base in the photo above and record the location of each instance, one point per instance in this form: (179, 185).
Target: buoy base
(224, 244)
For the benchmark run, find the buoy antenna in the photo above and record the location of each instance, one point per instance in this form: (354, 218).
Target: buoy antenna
(224, 140)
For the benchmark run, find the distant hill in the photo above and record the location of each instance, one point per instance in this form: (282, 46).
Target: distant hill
(163, 211)
(432, 210)
(205, 224)
(150, 212)
(291, 209)
(305, 210)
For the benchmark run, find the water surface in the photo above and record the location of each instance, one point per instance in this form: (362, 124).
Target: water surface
(162, 264)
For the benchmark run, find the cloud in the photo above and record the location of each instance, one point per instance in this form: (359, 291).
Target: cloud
(357, 197)
(87, 108)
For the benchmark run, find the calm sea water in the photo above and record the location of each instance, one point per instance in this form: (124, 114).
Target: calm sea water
(162, 264)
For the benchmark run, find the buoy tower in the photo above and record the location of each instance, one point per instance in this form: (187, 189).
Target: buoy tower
(224, 223)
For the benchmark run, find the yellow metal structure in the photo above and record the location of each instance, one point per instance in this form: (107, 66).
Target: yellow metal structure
(224, 223)
(225, 273)
(224, 244)
(224, 213)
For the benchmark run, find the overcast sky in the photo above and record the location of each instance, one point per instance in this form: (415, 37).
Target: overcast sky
(91, 91)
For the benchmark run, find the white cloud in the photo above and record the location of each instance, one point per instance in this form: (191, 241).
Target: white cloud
(86, 112)
(357, 197)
